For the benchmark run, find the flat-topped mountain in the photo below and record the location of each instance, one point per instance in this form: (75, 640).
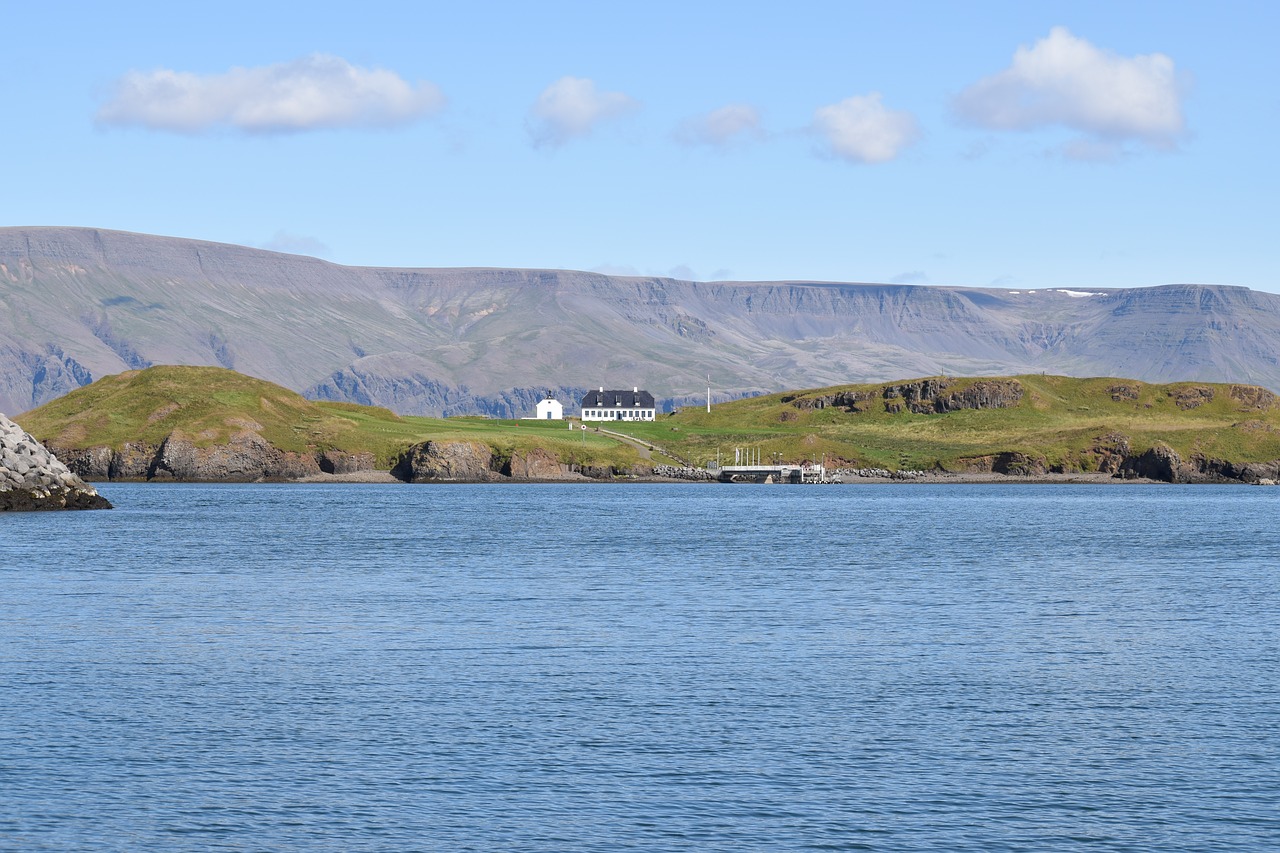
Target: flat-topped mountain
(84, 303)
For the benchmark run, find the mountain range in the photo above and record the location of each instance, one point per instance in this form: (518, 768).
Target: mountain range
(81, 303)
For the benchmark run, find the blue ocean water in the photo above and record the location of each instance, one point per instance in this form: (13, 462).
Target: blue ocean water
(643, 667)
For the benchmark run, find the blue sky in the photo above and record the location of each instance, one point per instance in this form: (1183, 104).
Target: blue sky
(1016, 145)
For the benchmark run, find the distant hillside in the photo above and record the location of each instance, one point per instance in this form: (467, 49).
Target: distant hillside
(80, 304)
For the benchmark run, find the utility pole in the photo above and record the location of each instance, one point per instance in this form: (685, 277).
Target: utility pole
(708, 393)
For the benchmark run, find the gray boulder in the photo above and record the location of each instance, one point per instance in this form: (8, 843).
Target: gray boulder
(32, 478)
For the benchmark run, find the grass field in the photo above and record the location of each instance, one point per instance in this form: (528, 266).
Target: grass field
(1061, 421)
(207, 405)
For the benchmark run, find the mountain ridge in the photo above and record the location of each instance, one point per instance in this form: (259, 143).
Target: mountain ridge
(81, 303)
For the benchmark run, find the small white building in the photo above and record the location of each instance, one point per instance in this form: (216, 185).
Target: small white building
(633, 405)
(550, 409)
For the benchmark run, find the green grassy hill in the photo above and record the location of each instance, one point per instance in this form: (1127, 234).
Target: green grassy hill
(208, 405)
(1042, 423)
(1068, 424)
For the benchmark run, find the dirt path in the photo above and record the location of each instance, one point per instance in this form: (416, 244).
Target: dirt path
(645, 448)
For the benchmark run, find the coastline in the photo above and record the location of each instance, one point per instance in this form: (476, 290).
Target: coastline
(385, 478)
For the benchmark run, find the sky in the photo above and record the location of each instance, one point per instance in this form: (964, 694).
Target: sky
(981, 144)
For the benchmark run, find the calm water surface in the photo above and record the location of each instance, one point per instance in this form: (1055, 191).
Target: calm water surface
(648, 667)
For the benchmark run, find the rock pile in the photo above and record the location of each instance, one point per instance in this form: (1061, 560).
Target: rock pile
(31, 478)
(677, 472)
(881, 473)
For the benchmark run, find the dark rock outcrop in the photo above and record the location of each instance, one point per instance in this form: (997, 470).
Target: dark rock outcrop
(131, 462)
(1019, 465)
(934, 397)
(339, 462)
(537, 464)
(850, 401)
(1112, 454)
(446, 461)
(1164, 463)
(1109, 453)
(247, 458)
(1193, 397)
(1253, 397)
(32, 478)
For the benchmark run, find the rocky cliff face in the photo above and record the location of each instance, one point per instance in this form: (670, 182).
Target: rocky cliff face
(473, 462)
(922, 397)
(85, 303)
(246, 458)
(31, 478)
(446, 461)
(1112, 454)
(935, 396)
(1163, 463)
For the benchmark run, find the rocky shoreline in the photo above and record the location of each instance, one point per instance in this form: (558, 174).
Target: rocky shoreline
(250, 458)
(32, 478)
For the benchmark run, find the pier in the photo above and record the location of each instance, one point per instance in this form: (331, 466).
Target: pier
(808, 473)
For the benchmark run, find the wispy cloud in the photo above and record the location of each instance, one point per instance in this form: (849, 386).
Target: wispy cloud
(721, 127)
(861, 129)
(310, 93)
(295, 244)
(1065, 81)
(911, 277)
(572, 107)
(615, 269)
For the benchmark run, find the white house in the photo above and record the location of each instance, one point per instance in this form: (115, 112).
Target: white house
(550, 409)
(633, 405)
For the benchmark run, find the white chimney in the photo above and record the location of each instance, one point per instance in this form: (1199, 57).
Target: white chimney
(601, 389)
(635, 389)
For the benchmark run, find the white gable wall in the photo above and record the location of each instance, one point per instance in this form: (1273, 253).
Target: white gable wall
(550, 410)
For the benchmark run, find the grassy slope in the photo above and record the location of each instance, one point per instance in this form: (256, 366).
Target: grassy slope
(208, 405)
(1058, 419)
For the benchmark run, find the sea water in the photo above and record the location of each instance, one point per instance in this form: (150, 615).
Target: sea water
(643, 667)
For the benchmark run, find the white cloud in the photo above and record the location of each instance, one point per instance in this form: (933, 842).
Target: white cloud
(863, 130)
(722, 127)
(1065, 81)
(572, 107)
(317, 91)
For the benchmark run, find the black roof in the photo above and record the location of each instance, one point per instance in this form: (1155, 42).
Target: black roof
(610, 399)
